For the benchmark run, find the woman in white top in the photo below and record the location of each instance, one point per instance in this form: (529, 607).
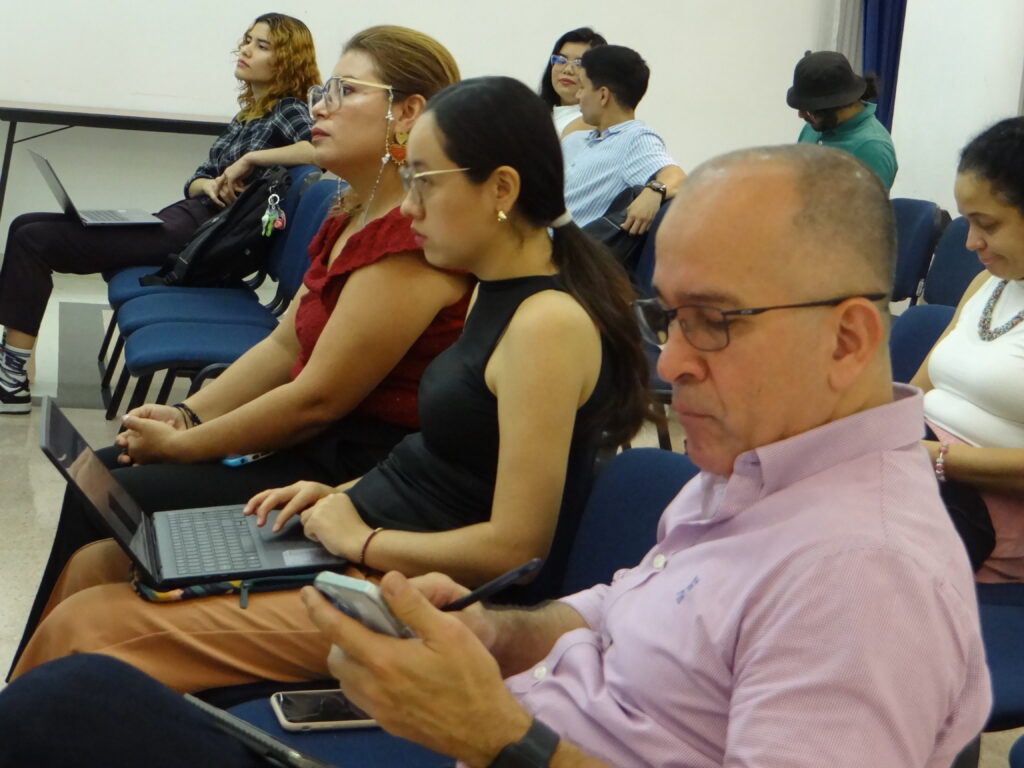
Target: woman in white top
(974, 376)
(560, 84)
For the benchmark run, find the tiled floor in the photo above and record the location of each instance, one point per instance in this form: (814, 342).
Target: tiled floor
(31, 491)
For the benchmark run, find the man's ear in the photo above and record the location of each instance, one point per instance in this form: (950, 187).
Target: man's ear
(859, 331)
(505, 184)
(406, 112)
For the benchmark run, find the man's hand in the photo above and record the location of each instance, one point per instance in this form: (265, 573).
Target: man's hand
(442, 689)
(641, 212)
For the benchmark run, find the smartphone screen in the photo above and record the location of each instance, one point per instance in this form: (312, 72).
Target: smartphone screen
(327, 708)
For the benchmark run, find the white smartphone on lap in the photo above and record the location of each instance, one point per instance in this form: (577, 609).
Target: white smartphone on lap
(317, 711)
(362, 601)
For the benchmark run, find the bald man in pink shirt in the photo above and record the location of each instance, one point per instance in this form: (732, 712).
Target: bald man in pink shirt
(807, 602)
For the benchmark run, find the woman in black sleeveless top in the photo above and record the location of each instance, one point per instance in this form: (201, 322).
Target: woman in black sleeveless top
(548, 365)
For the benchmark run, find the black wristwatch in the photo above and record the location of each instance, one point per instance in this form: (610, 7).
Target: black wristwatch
(657, 186)
(534, 750)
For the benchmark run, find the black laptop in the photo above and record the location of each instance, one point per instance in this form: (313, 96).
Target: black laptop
(179, 547)
(110, 217)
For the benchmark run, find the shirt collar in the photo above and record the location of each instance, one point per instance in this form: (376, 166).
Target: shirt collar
(770, 468)
(854, 122)
(593, 136)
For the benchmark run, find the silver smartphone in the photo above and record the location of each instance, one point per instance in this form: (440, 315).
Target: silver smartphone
(362, 601)
(317, 711)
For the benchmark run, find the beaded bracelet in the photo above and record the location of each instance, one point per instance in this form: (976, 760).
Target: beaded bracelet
(366, 544)
(940, 462)
(191, 420)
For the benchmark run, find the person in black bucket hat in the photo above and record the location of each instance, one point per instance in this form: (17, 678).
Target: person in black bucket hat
(832, 99)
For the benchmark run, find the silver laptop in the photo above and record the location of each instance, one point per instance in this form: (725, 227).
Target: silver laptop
(184, 546)
(113, 217)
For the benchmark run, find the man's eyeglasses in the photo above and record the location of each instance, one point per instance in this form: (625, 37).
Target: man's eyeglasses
(413, 181)
(558, 59)
(334, 90)
(707, 328)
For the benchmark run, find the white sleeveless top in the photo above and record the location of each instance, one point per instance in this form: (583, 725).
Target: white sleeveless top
(563, 115)
(978, 392)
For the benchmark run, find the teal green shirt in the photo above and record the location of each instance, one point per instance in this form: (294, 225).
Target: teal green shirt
(863, 137)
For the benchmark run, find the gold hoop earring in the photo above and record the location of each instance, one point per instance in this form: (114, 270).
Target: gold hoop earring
(502, 217)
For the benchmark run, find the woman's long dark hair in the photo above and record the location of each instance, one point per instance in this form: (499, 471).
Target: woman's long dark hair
(525, 139)
(580, 35)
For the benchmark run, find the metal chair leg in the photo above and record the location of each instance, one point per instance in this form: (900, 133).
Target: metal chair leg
(107, 337)
(140, 391)
(165, 389)
(118, 394)
(108, 371)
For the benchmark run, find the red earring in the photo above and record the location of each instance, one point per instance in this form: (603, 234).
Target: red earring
(397, 150)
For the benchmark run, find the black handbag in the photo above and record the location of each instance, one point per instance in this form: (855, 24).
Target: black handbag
(608, 230)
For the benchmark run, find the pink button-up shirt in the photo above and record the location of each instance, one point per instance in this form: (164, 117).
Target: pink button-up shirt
(815, 609)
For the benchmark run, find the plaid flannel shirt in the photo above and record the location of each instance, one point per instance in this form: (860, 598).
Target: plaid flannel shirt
(287, 123)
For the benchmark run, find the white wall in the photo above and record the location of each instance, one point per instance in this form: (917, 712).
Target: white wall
(960, 71)
(720, 69)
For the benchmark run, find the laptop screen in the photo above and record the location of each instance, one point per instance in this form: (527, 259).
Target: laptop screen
(82, 468)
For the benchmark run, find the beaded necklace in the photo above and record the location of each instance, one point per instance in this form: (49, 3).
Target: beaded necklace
(985, 330)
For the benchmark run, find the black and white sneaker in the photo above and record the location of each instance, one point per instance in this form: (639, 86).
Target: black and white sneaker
(17, 401)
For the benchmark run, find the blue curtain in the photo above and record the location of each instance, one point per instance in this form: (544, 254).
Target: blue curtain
(883, 35)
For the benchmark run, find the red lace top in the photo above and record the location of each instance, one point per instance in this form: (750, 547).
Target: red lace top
(394, 399)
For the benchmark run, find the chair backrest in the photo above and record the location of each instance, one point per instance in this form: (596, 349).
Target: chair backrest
(643, 273)
(293, 260)
(913, 335)
(620, 521)
(918, 226)
(953, 267)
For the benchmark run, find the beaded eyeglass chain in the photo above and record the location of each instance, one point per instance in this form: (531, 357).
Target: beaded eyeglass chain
(985, 330)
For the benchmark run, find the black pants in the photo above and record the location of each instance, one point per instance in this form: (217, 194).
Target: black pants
(95, 711)
(347, 450)
(39, 244)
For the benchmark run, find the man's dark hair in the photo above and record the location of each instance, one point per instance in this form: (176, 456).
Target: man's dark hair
(619, 69)
(997, 155)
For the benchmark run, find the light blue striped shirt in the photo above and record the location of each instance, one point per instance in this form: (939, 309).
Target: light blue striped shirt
(599, 167)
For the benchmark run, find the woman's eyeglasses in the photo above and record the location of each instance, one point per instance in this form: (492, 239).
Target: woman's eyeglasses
(707, 328)
(334, 91)
(413, 181)
(558, 59)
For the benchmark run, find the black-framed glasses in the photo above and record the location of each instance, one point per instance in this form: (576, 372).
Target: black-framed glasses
(560, 60)
(707, 328)
(334, 90)
(413, 181)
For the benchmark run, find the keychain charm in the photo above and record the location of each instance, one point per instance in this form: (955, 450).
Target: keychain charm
(273, 217)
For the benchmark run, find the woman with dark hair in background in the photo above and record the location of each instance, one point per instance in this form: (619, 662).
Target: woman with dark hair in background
(560, 83)
(549, 365)
(973, 378)
(276, 66)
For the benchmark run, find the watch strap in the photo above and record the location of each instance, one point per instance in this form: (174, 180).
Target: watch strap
(534, 750)
(658, 187)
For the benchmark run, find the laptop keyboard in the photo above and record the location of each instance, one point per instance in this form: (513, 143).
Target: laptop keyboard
(105, 215)
(212, 541)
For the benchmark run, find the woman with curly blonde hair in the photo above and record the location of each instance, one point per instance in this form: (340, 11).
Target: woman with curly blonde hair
(276, 66)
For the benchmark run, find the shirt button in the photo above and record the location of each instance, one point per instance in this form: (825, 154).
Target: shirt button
(659, 562)
(539, 673)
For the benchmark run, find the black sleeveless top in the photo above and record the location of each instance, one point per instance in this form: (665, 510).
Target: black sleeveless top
(443, 476)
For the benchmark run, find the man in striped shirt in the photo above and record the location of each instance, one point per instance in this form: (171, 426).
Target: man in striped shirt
(622, 151)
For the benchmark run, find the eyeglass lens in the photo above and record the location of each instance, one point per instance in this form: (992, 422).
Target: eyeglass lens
(705, 328)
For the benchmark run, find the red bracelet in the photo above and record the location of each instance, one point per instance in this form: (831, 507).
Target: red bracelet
(940, 463)
(362, 553)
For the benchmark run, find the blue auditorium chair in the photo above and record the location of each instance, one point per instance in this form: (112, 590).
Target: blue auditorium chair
(918, 226)
(123, 285)
(914, 333)
(953, 268)
(184, 347)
